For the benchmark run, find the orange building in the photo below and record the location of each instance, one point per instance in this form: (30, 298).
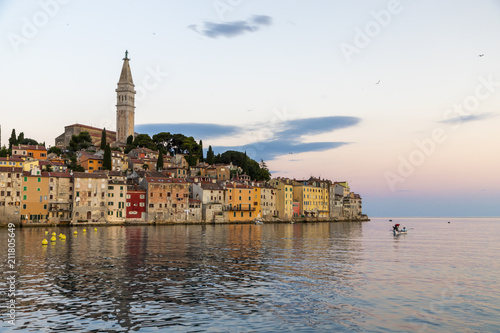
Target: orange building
(37, 152)
(35, 197)
(240, 202)
(90, 162)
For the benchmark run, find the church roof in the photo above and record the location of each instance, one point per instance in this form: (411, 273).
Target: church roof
(126, 75)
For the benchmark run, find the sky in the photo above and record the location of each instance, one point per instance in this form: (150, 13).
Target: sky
(398, 98)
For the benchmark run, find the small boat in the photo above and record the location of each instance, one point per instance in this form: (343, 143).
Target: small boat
(399, 232)
(258, 222)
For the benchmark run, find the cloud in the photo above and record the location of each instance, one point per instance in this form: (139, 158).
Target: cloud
(189, 129)
(284, 139)
(469, 118)
(232, 29)
(288, 139)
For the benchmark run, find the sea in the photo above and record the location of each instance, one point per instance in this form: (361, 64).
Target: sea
(442, 276)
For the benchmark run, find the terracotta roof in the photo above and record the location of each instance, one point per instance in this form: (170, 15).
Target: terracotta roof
(60, 174)
(11, 159)
(10, 169)
(30, 147)
(89, 175)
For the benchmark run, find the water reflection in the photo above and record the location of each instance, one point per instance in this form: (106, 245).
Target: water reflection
(236, 277)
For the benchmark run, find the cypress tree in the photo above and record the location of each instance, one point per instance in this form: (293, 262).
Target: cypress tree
(12, 140)
(210, 156)
(106, 163)
(159, 163)
(103, 139)
(200, 153)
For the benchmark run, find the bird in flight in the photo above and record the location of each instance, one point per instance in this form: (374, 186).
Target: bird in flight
(378, 82)
(481, 55)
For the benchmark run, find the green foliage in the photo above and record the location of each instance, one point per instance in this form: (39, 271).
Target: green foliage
(12, 140)
(79, 142)
(210, 156)
(106, 163)
(73, 165)
(249, 166)
(144, 141)
(28, 141)
(159, 163)
(103, 140)
(4, 152)
(48, 168)
(54, 150)
(20, 137)
(130, 139)
(200, 151)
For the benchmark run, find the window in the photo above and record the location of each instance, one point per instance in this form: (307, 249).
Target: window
(25, 188)
(151, 205)
(25, 197)
(39, 179)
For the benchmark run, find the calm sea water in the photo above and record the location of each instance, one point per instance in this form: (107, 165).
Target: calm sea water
(318, 277)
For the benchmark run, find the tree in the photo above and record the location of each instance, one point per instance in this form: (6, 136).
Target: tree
(130, 139)
(145, 141)
(73, 165)
(48, 168)
(210, 156)
(54, 150)
(28, 141)
(159, 163)
(200, 151)
(4, 152)
(79, 142)
(163, 141)
(249, 166)
(13, 140)
(20, 137)
(103, 140)
(106, 163)
(145, 166)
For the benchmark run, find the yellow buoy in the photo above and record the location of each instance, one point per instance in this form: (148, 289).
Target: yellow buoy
(84, 230)
(54, 233)
(75, 232)
(46, 232)
(44, 242)
(53, 239)
(95, 229)
(63, 237)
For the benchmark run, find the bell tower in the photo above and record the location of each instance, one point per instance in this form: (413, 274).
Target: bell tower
(125, 103)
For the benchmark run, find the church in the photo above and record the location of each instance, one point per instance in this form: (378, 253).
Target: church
(125, 114)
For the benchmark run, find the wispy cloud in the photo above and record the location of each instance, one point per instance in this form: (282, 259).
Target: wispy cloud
(231, 29)
(285, 139)
(288, 138)
(469, 118)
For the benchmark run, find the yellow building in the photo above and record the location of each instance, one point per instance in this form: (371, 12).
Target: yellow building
(35, 196)
(284, 198)
(240, 201)
(313, 197)
(15, 162)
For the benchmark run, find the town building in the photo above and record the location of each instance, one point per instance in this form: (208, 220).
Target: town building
(10, 194)
(240, 202)
(90, 197)
(30, 152)
(284, 198)
(213, 199)
(35, 196)
(136, 204)
(60, 197)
